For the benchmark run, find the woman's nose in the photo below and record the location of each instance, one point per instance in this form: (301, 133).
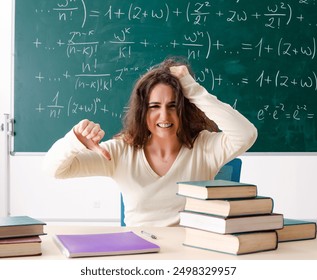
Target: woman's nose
(163, 112)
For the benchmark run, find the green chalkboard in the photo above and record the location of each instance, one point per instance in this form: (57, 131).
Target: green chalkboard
(80, 59)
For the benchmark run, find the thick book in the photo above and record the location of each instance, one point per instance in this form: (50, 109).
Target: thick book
(226, 225)
(295, 230)
(216, 189)
(231, 207)
(104, 244)
(20, 246)
(18, 226)
(236, 244)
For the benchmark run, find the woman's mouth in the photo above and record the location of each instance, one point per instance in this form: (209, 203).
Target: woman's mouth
(164, 125)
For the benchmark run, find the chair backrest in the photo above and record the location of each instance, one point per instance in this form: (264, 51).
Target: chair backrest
(230, 171)
(122, 212)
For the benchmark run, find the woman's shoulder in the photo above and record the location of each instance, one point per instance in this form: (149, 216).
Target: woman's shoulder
(211, 141)
(116, 142)
(205, 135)
(118, 145)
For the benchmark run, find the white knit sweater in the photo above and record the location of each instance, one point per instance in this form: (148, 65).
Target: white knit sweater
(150, 199)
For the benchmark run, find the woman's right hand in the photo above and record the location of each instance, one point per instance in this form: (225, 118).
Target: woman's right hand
(90, 134)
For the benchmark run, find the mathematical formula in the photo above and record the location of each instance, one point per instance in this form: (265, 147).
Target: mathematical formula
(281, 112)
(273, 15)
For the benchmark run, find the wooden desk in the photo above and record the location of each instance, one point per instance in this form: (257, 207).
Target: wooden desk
(170, 240)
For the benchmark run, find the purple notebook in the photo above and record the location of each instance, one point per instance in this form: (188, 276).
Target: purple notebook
(89, 245)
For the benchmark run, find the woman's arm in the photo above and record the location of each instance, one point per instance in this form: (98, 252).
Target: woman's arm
(79, 154)
(237, 134)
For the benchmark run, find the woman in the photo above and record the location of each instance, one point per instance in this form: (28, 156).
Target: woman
(169, 135)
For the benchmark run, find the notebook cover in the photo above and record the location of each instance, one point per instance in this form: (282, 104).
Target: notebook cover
(80, 245)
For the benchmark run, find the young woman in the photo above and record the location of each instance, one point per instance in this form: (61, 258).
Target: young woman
(170, 134)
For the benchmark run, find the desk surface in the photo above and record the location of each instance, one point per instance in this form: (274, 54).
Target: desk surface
(170, 240)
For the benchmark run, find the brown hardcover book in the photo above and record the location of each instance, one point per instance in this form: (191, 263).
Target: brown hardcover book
(236, 244)
(231, 207)
(21, 246)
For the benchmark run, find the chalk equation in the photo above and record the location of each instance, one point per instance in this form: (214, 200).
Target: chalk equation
(281, 112)
(271, 15)
(56, 108)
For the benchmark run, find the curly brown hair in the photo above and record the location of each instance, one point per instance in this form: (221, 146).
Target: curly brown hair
(192, 120)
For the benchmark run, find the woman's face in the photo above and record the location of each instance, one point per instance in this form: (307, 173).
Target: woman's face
(162, 119)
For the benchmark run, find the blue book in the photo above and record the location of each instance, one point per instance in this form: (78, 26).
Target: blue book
(216, 189)
(235, 224)
(18, 226)
(231, 207)
(295, 230)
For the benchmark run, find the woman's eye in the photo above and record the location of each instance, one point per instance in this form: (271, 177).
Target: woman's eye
(154, 106)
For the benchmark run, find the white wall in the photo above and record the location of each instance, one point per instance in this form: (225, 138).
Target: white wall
(94, 199)
(32, 193)
(289, 179)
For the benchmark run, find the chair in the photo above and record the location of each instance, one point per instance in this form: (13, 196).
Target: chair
(230, 171)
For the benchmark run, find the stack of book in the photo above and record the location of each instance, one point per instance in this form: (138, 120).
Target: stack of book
(20, 236)
(228, 217)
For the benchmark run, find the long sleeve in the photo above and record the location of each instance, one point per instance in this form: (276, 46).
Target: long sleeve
(237, 134)
(69, 158)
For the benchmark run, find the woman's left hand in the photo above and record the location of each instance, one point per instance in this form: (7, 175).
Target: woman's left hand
(179, 71)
